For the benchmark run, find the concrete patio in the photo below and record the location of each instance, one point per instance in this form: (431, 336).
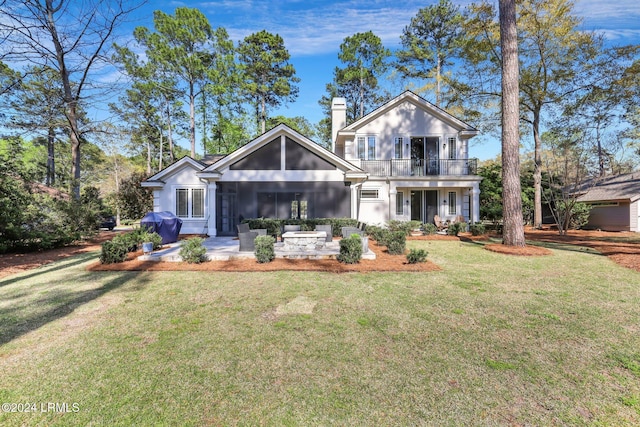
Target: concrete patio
(227, 248)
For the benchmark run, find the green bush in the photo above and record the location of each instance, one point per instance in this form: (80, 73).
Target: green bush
(193, 251)
(456, 228)
(274, 226)
(396, 242)
(405, 226)
(113, 252)
(265, 248)
(127, 240)
(477, 229)
(378, 234)
(154, 238)
(416, 255)
(429, 228)
(350, 249)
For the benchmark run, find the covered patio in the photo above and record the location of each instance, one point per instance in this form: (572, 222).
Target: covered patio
(228, 248)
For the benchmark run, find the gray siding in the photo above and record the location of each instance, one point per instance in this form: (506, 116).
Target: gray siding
(265, 158)
(610, 218)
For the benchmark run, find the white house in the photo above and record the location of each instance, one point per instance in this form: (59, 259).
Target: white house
(406, 160)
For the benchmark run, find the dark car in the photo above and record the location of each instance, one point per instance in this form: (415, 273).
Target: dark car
(108, 222)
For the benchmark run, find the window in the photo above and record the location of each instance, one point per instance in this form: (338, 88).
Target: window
(398, 147)
(197, 203)
(452, 203)
(366, 147)
(453, 148)
(368, 194)
(190, 202)
(400, 204)
(182, 202)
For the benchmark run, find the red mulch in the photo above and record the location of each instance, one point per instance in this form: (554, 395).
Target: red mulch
(383, 262)
(607, 243)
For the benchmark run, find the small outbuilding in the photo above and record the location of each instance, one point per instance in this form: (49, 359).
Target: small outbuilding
(615, 202)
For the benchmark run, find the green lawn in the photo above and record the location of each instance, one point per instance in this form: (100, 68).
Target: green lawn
(489, 340)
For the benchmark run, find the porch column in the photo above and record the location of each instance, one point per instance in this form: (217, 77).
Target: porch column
(474, 199)
(354, 201)
(393, 194)
(211, 221)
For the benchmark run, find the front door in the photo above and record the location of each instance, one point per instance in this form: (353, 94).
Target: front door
(226, 214)
(424, 205)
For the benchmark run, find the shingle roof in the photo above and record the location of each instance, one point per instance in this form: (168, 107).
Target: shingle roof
(618, 187)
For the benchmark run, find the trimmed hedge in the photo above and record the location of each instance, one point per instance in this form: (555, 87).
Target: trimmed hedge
(265, 251)
(396, 243)
(477, 229)
(192, 250)
(274, 226)
(113, 252)
(416, 255)
(350, 249)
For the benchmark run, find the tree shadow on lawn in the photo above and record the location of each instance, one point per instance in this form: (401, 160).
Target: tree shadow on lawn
(56, 306)
(49, 268)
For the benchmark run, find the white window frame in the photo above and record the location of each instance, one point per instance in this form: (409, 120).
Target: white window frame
(371, 194)
(452, 143)
(453, 203)
(398, 142)
(364, 145)
(400, 203)
(190, 202)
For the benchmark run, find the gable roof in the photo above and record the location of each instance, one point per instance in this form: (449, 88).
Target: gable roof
(421, 103)
(618, 187)
(269, 136)
(157, 180)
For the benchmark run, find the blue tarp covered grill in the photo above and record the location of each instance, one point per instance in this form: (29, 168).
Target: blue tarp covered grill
(166, 224)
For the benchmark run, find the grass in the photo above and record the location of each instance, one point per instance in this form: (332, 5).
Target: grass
(489, 340)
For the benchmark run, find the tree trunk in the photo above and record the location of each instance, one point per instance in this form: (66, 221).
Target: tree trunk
(51, 158)
(74, 136)
(161, 153)
(263, 114)
(169, 131)
(148, 157)
(438, 68)
(192, 120)
(537, 171)
(513, 229)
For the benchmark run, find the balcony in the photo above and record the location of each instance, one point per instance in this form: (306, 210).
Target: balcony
(418, 167)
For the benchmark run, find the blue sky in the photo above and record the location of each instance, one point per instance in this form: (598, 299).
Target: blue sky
(313, 30)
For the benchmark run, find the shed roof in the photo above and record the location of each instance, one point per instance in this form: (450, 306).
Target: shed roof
(617, 187)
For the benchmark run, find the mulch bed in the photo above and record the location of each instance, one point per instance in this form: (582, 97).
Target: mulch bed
(383, 262)
(623, 253)
(527, 250)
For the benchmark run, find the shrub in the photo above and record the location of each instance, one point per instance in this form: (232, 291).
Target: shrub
(377, 233)
(192, 250)
(350, 249)
(396, 242)
(429, 228)
(128, 241)
(154, 238)
(416, 255)
(477, 229)
(405, 226)
(455, 228)
(264, 248)
(113, 252)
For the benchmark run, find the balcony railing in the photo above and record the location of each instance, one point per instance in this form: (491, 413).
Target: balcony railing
(418, 167)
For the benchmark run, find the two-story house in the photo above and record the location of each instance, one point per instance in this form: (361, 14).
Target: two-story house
(406, 160)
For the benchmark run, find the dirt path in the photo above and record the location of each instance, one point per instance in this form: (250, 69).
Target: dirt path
(614, 245)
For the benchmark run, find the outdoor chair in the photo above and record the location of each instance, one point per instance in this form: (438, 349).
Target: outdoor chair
(326, 228)
(247, 243)
(243, 228)
(348, 231)
(440, 224)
